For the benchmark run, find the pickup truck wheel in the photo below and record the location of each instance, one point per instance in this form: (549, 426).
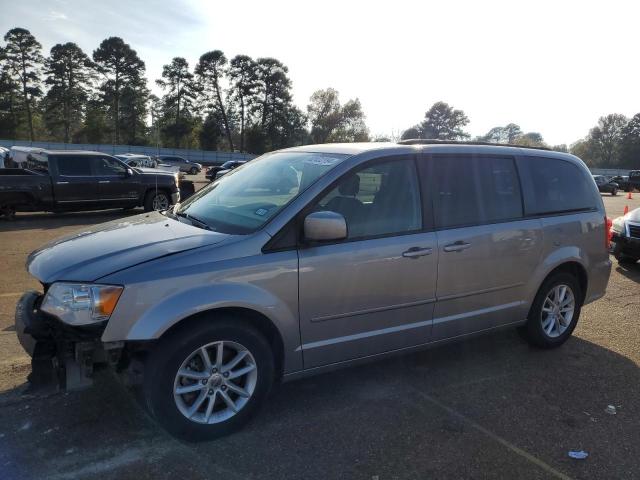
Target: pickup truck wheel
(207, 381)
(156, 201)
(193, 171)
(614, 192)
(622, 258)
(8, 212)
(554, 312)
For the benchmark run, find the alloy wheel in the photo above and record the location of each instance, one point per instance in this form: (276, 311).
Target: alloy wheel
(215, 382)
(160, 202)
(558, 310)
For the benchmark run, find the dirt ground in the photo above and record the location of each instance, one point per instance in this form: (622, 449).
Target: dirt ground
(491, 407)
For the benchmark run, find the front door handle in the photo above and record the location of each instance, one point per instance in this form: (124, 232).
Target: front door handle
(456, 246)
(104, 181)
(415, 252)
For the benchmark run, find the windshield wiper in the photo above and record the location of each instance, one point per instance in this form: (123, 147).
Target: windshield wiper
(194, 221)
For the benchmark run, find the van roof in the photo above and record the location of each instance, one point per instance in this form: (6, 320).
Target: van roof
(433, 146)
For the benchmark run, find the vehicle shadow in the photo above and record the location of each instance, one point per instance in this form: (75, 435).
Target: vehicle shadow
(629, 270)
(46, 220)
(385, 418)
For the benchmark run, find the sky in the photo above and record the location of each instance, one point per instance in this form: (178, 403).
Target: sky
(550, 66)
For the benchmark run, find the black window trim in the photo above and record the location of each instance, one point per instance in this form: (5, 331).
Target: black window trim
(297, 221)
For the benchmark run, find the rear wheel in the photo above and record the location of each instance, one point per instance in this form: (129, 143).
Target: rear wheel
(193, 171)
(614, 192)
(554, 312)
(207, 381)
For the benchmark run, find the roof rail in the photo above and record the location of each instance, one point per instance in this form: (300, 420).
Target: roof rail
(434, 141)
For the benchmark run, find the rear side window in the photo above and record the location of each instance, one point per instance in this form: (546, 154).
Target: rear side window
(473, 190)
(74, 166)
(500, 189)
(553, 185)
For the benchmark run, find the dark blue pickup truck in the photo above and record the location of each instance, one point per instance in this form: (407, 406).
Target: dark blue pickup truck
(57, 181)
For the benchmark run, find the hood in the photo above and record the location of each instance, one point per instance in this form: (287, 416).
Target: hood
(102, 249)
(633, 215)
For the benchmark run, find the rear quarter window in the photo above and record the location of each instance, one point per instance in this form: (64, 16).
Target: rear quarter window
(554, 185)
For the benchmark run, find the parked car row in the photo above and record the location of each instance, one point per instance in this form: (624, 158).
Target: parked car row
(217, 171)
(614, 184)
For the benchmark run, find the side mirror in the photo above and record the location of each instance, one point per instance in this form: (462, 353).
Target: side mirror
(129, 173)
(325, 226)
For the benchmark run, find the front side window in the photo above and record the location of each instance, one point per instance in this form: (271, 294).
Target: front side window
(246, 198)
(381, 199)
(74, 166)
(108, 167)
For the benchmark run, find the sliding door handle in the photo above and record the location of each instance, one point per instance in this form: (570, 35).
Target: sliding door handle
(415, 252)
(456, 246)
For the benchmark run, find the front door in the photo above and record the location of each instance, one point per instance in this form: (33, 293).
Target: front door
(487, 250)
(114, 186)
(374, 291)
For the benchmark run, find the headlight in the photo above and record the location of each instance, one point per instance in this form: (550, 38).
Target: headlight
(618, 226)
(81, 304)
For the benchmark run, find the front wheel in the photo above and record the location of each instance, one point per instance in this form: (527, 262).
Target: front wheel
(193, 171)
(156, 200)
(614, 192)
(206, 381)
(554, 312)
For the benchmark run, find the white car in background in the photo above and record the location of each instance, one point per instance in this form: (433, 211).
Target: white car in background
(20, 155)
(4, 155)
(136, 160)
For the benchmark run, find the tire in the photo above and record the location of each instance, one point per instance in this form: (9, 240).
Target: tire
(533, 330)
(622, 258)
(614, 192)
(153, 198)
(172, 354)
(193, 171)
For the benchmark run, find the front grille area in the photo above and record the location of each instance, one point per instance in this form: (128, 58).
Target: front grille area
(634, 230)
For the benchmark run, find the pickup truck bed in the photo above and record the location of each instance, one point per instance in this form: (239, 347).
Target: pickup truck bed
(22, 189)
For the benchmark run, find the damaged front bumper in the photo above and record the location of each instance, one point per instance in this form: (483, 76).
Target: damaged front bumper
(60, 353)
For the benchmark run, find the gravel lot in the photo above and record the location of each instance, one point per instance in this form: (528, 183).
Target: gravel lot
(490, 407)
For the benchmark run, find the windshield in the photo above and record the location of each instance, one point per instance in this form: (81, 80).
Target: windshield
(246, 198)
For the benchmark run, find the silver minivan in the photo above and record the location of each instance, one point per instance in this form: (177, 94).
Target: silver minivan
(313, 258)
